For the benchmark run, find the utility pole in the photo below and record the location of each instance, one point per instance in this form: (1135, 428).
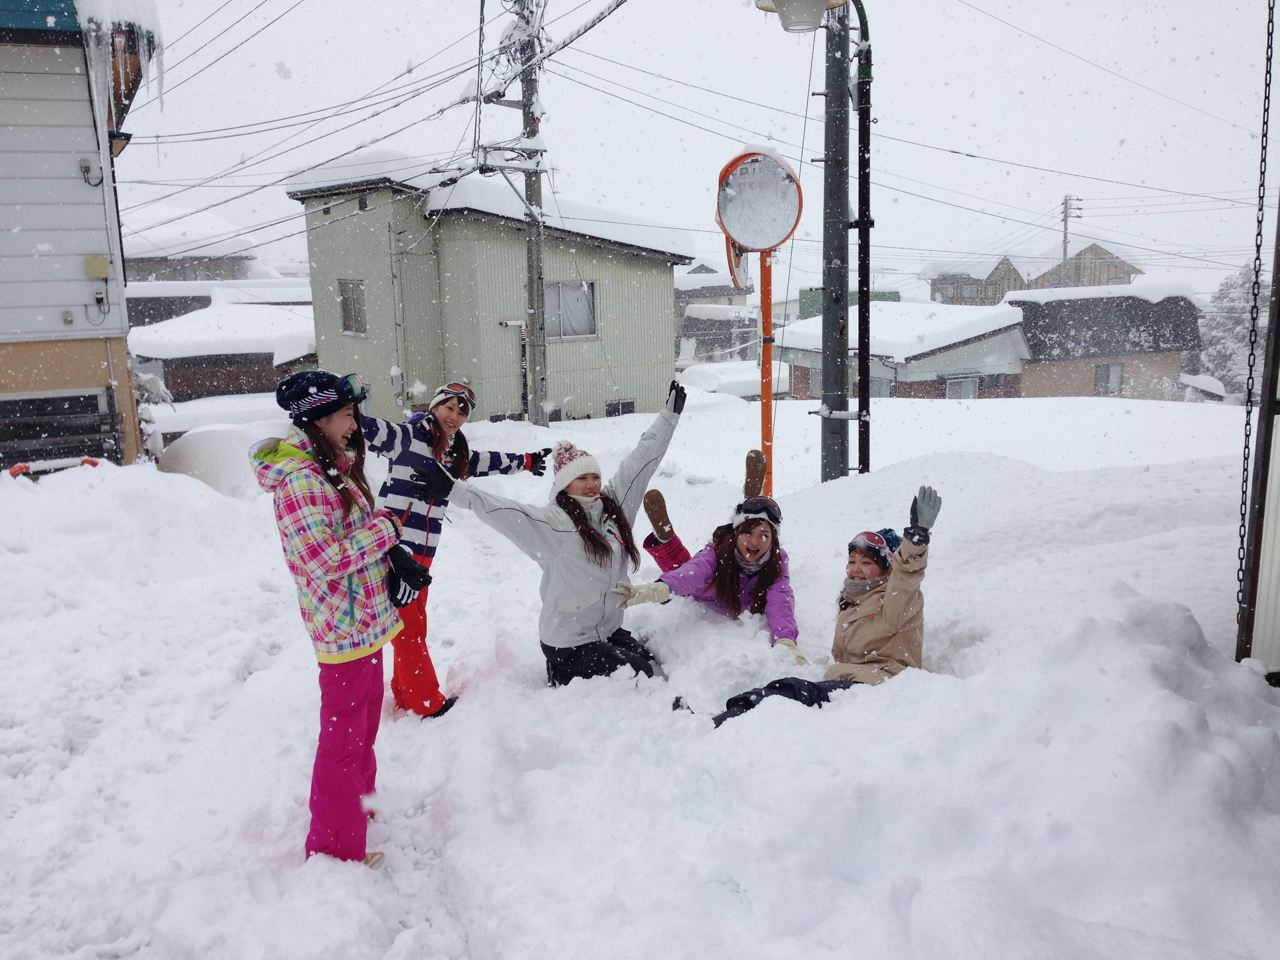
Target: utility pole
(1069, 210)
(864, 223)
(529, 14)
(835, 252)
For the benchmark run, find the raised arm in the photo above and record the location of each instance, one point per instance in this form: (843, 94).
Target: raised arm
(902, 592)
(384, 437)
(537, 531)
(308, 535)
(632, 477)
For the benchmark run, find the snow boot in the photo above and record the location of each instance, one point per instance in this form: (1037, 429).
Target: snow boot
(753, 486)
(373, 859)
(656, 509)
(448, 705)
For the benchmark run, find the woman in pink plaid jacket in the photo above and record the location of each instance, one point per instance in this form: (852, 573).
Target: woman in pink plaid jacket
(341, 554)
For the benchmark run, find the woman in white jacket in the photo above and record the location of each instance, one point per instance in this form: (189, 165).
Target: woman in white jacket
(583, 542)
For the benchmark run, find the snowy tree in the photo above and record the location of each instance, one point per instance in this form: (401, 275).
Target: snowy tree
(1224, 329)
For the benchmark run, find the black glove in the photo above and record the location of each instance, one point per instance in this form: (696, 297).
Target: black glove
(434, 483)
(538, 461)
(675, 398)
(407, 578)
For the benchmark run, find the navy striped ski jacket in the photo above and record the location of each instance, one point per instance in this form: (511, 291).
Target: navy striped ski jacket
(408, 447)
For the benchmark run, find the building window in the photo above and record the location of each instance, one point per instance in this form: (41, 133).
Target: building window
(351, 299)
(962, 388)
(571, 310)
(969, 291)
(363, 203)
(1107, 379)
(617, 408)
(992, 381)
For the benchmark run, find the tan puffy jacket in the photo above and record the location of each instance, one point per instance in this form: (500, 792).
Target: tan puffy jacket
(882, 633)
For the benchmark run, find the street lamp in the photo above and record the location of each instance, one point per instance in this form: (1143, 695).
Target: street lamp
(799, 16)
(806, 16)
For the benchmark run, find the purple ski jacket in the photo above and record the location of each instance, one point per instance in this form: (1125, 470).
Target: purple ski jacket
(693, 579)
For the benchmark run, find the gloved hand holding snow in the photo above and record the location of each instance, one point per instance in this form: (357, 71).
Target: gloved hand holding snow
(433, 483)
(786, 643)
(657, 592)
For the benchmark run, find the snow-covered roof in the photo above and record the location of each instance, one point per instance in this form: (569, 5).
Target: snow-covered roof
(1204, 383)
(141, 13)
(148, 234)
(286, 333)
(903, 330)
(269, 290)
(489, 194)
(720, 311)
(738, 378)
(1150, 290)
(980, 267)
(702, 281)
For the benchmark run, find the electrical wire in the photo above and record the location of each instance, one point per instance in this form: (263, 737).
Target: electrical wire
(222, 6)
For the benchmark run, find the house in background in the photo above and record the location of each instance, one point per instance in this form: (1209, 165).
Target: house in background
(708, 334)
(163, 242)
(420, 280)
(987, 282)
(69, 81)
(1124, 341)
(151, 301)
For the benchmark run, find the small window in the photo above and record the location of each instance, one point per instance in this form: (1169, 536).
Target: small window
(962, 388)
(992, 381)
(617, 408)
(351, 298)
(571, 310)
(364, 201)
(1107, 379)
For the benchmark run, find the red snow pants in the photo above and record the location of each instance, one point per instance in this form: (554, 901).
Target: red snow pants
(413, 676)
(345, 770)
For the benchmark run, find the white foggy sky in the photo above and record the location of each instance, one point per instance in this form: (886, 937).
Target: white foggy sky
(945, 75)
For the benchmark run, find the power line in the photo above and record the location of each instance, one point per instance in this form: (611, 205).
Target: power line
(929, 146)
(1114, 73)
(222, 6)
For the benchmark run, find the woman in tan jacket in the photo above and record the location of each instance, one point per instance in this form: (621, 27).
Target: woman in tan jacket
(880, 625)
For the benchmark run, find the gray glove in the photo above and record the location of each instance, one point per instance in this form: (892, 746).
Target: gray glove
(924, 511)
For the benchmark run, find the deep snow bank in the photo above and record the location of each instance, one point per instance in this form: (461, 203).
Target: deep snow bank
(1080, 774)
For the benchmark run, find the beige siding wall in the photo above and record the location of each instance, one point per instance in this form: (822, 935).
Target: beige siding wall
(418, 275)
(483, 282)
(1147, 376)
(344, 247)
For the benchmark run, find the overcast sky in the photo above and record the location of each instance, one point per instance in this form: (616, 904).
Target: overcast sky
(1180, 116)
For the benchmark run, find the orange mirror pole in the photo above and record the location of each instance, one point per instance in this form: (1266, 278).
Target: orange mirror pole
(766, 368)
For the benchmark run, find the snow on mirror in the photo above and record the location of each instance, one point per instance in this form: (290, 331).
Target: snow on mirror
(758, 205)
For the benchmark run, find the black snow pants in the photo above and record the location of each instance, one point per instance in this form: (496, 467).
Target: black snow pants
(599, 658)
(812, 693)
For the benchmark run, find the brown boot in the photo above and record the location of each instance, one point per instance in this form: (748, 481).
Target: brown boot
(754, 484)
(656, 507)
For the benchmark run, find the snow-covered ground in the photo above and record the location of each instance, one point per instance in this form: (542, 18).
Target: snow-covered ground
(1082, 771)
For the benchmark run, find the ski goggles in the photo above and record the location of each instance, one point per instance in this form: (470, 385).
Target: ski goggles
(352, 389)
(459, 390)
(758, 508)
(872, 542)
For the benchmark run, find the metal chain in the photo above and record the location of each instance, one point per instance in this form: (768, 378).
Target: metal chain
(1253, 318)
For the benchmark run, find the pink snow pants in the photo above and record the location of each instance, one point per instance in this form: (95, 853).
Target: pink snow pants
(345, 769)
(668, 554)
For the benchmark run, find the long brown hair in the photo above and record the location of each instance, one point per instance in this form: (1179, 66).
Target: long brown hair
(726, 579)
(593, 540)
(458, 451)
(327, 457)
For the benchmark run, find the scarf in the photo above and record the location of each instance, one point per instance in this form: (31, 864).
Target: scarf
(751, 569)
(855, 590)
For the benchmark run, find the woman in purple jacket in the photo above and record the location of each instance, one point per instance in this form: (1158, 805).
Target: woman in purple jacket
(743, 568)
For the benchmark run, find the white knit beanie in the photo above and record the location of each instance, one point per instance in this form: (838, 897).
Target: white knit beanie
(570, 463)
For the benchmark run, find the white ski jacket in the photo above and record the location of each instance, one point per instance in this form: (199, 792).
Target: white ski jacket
(577, 606)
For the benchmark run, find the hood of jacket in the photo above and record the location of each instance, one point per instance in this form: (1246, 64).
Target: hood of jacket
(276, 458)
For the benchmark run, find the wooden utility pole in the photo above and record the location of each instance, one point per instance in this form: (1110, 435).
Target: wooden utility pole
(1068, 211)
(529, 13)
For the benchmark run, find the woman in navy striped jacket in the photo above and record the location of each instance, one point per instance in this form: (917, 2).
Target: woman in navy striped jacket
(410, 446)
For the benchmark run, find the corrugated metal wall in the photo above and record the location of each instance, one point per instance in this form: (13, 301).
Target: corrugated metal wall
(50, 218)
(345, 247)
(422, 306)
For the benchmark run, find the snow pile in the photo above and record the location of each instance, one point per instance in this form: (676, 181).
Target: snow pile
(286, 333)
(692, 282)
(233, 409)
(277, 289)
(737, 378)
(1080, 772)
(1204, 383)
(900, 331)
(163, 230)
(1149, 290)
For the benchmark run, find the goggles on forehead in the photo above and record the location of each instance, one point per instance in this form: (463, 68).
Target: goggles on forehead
(352, 389)
(869, 540)
(758, 508)
(459, 390)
